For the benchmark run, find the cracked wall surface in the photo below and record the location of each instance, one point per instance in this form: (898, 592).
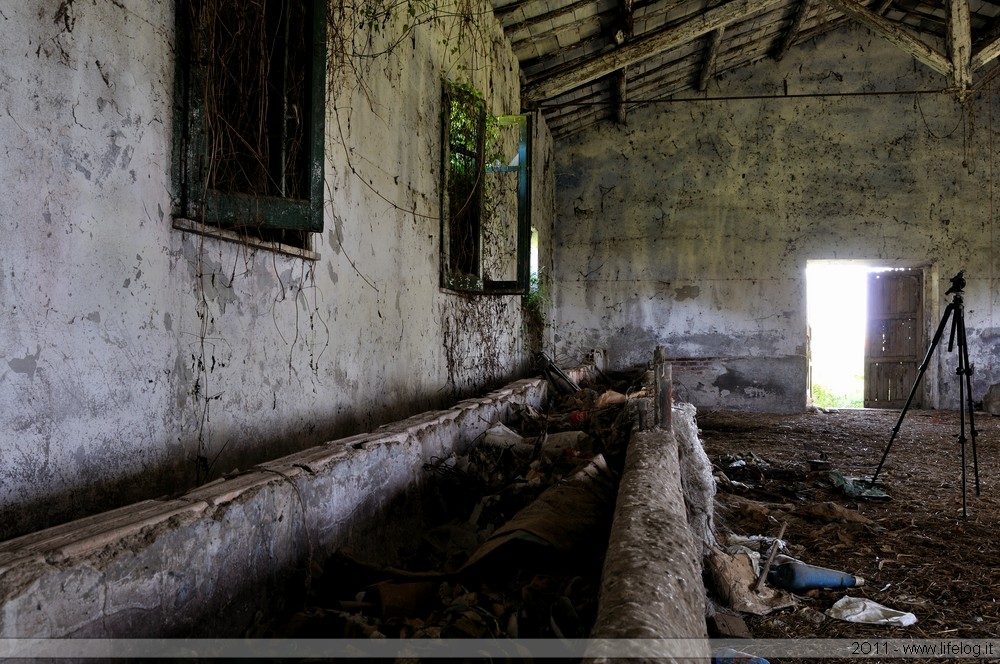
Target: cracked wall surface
(691, 226)
(138, 360)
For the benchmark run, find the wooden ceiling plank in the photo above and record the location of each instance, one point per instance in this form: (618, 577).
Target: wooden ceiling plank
(890, 32)
(989, 34)
(534, 66)
(548, 16)
(711, 56)
(960, 43)
(504, 10)
(793, 30)
(642, 48)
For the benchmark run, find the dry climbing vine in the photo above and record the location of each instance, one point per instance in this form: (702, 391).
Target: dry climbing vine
(361, 36)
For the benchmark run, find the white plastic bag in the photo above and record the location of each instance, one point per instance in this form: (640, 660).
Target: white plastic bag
(861, 610)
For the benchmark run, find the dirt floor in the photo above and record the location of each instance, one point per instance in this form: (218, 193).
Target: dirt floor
(916, 552)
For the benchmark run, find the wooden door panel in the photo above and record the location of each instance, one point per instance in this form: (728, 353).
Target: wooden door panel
(894, 339)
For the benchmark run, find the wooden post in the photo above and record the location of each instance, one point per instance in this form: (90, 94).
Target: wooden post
(662, 376)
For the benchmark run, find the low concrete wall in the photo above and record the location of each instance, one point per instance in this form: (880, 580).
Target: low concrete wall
(755, 384)
(651, 585)
(216, 560)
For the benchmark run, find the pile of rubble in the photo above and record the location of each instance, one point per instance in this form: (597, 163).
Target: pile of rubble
(521, 519)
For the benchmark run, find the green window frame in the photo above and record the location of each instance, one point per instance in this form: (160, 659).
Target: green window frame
(485, 196)
(250, 115)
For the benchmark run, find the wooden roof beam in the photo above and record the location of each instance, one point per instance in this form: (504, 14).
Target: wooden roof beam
(960, 45)
(987, 47)
(642, 48)
(986, 54)
(711, 57)
(794, 29)
(893, 34)
(621, 92)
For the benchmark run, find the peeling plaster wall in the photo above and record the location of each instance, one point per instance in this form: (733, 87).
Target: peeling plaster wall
(691, 226)
(137, 360)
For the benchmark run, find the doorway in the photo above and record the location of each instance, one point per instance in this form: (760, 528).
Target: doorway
(895, 337)
(865, 333)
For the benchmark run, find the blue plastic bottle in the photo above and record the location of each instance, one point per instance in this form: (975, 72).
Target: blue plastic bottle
(797, 576)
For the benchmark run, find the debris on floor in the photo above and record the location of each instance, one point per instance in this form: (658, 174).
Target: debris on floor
(916, 552)
(734, 576)
(861, 610)
(797, 577)
(524, 514)
(855, 487)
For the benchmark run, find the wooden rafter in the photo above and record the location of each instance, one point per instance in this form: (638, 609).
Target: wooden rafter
(895, 35)
(627, 30)
(642, 48)
(621, 81)
(794, 29)
(711, 56)
(987, 46)
(986, 54)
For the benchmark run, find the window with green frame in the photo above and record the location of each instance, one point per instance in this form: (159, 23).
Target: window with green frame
(485, 196)
(251, 93)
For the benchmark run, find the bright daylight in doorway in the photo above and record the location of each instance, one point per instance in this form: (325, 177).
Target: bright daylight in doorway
(837, 304)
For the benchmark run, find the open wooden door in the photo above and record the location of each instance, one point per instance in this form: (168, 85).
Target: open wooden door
(894, 339)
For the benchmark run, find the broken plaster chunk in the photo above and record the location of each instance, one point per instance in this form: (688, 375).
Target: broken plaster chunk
(229, 490)
(93, 539)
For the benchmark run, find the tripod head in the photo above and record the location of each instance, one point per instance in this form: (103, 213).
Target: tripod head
(957, 284)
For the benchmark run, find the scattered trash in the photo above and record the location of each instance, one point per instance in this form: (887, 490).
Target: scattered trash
(609, 398)
(856, 487)
(829, 511)
(555, 375)
(770, 558)
(732, 656)
(797, 576)
(567, 518)
(516, 535)
(861, 610)
(745, 459)
(733, 577)
(503, 436)
(567, 445)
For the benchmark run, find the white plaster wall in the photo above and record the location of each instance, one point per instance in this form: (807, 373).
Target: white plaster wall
(691, 226)
(137, 360)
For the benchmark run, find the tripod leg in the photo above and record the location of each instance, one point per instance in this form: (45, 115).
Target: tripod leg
(961, 431)
(967, 371)
(913, 390)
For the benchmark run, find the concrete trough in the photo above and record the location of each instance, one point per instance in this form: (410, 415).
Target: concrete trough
(220, 559)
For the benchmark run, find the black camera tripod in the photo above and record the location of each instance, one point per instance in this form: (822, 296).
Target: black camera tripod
(964, 372)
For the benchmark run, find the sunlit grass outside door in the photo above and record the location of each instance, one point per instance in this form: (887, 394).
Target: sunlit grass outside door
(837, 304)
